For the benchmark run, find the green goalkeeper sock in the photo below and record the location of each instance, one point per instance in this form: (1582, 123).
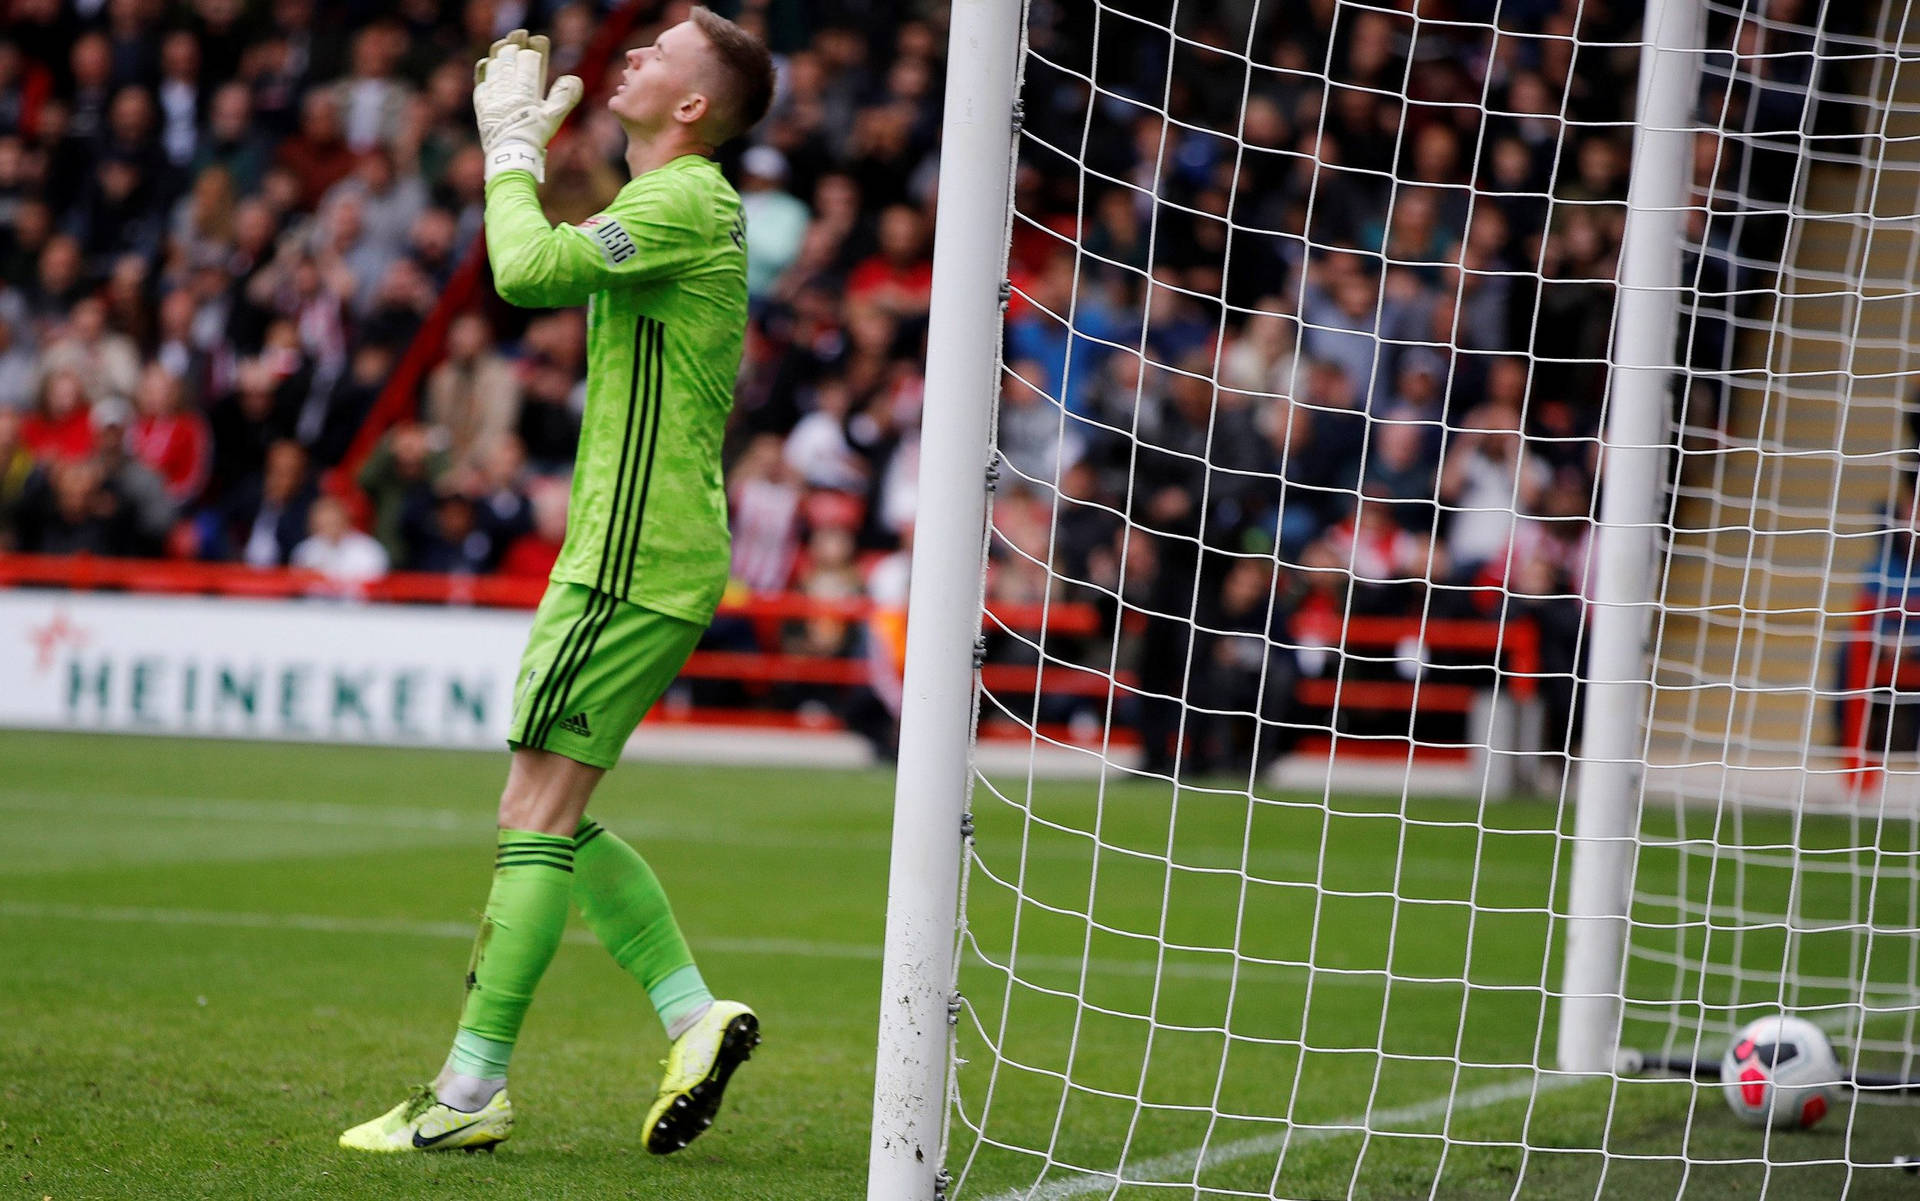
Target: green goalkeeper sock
(526, 915)
(627, 911)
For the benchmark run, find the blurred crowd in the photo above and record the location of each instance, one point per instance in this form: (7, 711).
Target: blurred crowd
(1309, 315)
(1311, 321)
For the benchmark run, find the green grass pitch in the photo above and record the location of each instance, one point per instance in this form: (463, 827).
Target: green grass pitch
(215, 955)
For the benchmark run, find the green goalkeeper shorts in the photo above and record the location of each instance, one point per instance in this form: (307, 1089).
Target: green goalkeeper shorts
(594, 665)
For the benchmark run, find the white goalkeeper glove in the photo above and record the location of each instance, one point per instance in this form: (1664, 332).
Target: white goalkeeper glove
(516, 114)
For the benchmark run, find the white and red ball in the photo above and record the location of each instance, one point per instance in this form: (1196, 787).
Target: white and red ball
(1781, 1071)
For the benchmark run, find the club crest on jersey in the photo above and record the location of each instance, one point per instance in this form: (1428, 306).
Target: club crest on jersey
(615, 243)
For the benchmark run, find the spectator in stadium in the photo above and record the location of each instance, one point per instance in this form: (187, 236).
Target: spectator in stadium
(106, 362)
(552, 371)
(1167, 544)
(58, 427)
(1390, 564)
(401, 477)
(898, 277)
(267, 517)
(887, 433)
(150, 509)
(446, 537)
(1247, 669)
(389, 200)
(777, 218)
(258, 411)
(1399, 466)
(330, 419)
(318, 156)
(113, 217)
(1314, 449)
(308, 294)
(1488, 477)
(232, 141)
(1037, 331)
(763, 493)
(181, 97)
(533, 555)
(828, 574)
(24, 87)
(1419, 386)
(1544, 577)
(336, 550)
(69, 508)
(20, 249)
(372, 101)
(59, 283)
(474, 394)
(353, 263)
(495, 480)
(16, 469)
(434, 245)
(201, 228)
(171, 438)
(1017, 573)
(1346, 320)
(1035, 438)
(19, 366)
(400, 305)
(1260, 360)
(818, 449)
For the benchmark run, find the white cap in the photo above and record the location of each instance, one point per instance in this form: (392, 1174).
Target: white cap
(112, 410)
(764, 161)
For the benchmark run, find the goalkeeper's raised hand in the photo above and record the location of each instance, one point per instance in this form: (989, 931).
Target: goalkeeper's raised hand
(516, 113)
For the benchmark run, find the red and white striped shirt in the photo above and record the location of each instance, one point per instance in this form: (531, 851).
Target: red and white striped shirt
(179, 448)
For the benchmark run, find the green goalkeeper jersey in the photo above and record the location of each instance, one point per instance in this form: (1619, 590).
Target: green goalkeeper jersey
(663, 273)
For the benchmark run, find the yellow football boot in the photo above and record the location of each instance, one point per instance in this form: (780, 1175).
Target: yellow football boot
(422, 1123)
(697, 1069)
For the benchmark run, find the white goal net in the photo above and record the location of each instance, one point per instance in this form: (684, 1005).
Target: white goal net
(1463, 462)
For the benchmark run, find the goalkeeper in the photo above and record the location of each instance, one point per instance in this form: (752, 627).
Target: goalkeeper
(662, 271)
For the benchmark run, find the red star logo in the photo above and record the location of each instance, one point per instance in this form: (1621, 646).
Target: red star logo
(48, 638)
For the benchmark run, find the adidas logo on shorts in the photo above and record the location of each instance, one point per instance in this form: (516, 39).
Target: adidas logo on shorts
(577, 724)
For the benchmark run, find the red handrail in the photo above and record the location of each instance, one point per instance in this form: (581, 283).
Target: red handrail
(175, 576)
(1517, 639)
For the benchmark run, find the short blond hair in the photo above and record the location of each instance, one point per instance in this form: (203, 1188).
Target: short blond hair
(746, 68)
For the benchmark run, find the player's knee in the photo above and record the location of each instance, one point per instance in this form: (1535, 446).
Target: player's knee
(545, 793)
(522, 810)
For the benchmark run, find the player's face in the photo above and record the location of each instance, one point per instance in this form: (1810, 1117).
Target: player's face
(662, 82)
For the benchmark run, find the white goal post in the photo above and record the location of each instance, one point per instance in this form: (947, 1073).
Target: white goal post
(1621, 618)
(936, 718)
(1462, 459)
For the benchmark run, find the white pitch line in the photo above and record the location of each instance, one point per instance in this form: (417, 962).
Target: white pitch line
(1180, 1167)
(326, 924)
(305, 813)
(795, 948)
(477, 820)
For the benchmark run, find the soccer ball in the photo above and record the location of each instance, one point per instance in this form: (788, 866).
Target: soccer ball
(1780, 1071)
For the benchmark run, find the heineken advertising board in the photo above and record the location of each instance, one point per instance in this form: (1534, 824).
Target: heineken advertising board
(302, 669)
